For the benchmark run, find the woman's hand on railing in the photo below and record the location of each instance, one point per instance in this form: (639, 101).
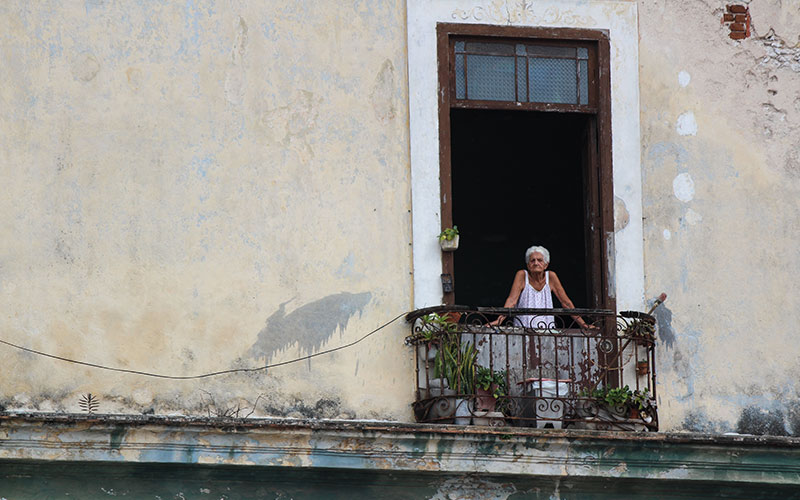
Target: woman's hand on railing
(498, 321)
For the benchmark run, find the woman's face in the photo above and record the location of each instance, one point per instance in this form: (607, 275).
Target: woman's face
(536, 263)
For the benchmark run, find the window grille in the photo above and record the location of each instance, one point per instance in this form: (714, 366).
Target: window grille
(521, 72)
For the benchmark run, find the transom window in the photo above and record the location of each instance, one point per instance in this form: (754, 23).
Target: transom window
(522, 71)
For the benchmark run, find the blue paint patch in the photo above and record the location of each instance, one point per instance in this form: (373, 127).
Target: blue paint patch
(90, 5)
(202, 165)
(268, 28)
(347, 267)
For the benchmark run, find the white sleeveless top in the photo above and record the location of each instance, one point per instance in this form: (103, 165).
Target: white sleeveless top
(536, 299)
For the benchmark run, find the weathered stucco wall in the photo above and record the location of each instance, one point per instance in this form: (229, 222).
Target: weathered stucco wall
(721, 173)
(195, 186)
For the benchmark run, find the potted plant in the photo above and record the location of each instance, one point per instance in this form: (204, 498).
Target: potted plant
(491, 390)
(448, 239)
(489, 386)
(435, 329)
(619, 403)
(456, 364)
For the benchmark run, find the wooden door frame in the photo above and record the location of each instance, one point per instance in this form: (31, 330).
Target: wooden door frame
(601, 215)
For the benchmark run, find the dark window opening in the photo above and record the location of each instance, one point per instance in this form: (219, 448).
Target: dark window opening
(521, 108)
(518, 179)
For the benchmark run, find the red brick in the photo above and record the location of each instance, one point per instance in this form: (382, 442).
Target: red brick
(738, 27)
(727, 18)
(741, 18)
(737, 9)
(738, 35)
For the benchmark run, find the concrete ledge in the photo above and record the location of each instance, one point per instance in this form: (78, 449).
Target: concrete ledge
(383, 446)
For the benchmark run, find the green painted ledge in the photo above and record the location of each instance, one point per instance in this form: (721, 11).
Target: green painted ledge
(751, 462)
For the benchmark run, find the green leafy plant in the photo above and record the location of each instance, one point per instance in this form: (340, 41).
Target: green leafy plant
(456, 363)
(490, 380)
(448, 233)
(641, 398)
(619, 397)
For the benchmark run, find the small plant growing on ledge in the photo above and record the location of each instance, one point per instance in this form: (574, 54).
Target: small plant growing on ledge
(88, 403)
(448, 239)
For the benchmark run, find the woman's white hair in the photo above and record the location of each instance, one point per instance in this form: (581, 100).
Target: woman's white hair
(542, 250)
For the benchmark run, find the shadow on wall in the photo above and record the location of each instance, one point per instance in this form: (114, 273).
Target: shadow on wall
(664, 321)
(310, 325)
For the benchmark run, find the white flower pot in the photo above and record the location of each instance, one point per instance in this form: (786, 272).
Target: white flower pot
(449, 245)
(463, 416)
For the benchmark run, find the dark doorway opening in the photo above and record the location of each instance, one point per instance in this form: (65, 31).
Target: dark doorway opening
(519, 178)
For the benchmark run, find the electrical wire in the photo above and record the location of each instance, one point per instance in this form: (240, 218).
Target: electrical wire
(204, 375)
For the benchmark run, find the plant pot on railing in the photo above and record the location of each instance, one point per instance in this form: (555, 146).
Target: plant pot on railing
(616, 408)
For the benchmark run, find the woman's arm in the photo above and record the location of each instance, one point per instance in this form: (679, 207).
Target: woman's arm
(513, 296)
(561, 295)
(516, 289)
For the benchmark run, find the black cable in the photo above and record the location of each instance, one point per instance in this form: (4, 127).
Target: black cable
(205, 375)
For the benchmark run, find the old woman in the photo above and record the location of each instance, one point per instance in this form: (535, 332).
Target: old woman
(533, 288)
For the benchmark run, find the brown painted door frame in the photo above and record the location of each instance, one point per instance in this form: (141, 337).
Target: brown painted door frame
(599, 218)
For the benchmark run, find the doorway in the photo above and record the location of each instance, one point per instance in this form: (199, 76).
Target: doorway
(519, 178)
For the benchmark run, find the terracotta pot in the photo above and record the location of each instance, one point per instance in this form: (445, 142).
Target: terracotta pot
(484, 400)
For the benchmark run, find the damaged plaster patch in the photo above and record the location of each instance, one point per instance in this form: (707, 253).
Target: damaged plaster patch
(693, 217)
(382, 95)
(686, 124)
(474, 488)
(792, 165)
(621, 215)
(684, 78)
(291, 125)
(310, 325)
(85, 67)
(761, 421)
(779, 53)
(134, 76)
(235, 76)
(683, 187)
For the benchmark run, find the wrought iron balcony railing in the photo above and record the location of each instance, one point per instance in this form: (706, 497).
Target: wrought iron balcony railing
(580, 368)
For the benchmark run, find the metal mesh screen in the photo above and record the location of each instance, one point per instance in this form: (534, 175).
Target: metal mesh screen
(490, 78)
(521, 72)
(461, 87)
(583, 88)
(553, 80)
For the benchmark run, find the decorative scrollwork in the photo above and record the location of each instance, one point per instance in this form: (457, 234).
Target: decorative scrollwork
(605, 346)
(545, 352)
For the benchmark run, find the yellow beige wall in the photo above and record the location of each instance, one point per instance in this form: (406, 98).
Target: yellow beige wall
(208, 185)
(203, 185)
(720, 123)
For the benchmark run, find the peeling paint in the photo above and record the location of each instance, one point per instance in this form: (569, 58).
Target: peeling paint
(686, 124)
(621, 215)
(683, 187)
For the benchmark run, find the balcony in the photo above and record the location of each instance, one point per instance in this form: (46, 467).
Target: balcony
(544, 368)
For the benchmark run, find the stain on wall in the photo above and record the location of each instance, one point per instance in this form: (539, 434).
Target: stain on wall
(720, 212)
(173, 172)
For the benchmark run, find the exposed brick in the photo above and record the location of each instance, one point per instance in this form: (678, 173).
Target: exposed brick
(727, 18)
(737, 9)
(738, 27)
(738, 35)
(740, 18)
